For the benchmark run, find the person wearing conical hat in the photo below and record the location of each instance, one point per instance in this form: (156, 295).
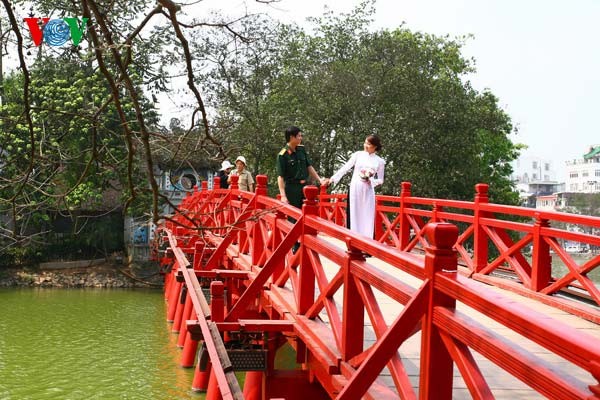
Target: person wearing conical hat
(223, 173)
(245, 181)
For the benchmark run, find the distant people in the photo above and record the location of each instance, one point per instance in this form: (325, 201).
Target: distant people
(245, 181)
(223, 173)
(368, 173)
(294, 168)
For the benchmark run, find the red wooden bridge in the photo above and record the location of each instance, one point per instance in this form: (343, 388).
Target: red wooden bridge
(452, 299)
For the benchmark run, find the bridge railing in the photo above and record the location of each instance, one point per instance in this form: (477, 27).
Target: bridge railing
(508, 246)
(328, 302)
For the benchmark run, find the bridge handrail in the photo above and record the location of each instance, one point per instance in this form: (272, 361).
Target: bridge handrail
(227, 381)
(262, 246)
(494, 239)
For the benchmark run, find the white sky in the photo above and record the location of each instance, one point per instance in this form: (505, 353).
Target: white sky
(541, 58)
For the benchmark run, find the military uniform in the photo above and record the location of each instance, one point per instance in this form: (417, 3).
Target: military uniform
(293, 167)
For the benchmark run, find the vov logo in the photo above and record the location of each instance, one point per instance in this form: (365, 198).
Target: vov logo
(56, 32)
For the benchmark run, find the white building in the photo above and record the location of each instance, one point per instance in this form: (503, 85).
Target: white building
(528, 169)
(547, 203)
(583, 175)
(534, 176)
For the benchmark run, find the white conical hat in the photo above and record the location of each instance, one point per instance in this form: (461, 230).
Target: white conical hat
(225, 165)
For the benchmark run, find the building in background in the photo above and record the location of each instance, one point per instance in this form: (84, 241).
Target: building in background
(583, 175)
(174, 182)
(533, 177)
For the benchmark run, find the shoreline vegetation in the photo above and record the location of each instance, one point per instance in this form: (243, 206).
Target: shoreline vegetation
(93, 275)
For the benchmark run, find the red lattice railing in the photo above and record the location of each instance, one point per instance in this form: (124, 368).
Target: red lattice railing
(496, 240)
(319, 298)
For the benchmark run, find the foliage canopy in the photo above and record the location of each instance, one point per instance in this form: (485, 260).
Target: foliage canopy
(342, 82)
(78, 122)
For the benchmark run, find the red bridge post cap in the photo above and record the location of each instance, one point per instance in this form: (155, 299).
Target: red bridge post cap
(441, 235)
(261, 185)
(482, 188)
(405, 187)
(311, 192)
(261, 180)
(217, 288)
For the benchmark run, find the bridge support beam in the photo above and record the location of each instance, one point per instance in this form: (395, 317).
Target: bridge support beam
(253, 385)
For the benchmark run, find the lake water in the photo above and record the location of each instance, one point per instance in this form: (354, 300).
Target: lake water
(559, 269)
(96, 344)
(88, 344)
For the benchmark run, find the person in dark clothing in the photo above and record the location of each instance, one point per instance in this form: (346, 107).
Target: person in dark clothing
(294, 167)
(223, 173)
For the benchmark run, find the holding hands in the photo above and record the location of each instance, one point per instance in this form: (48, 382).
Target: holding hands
(325, 181)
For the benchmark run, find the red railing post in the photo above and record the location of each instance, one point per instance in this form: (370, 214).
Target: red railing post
(541, 260)
(203, 193)
(434, 212)
(378, 228)
(275, 240)
(340, 210)
(258, 242)
(353, 319)
(436, 362)
(240, 233)
(322, 204)
(404, 230)
(216, 182)
(480, 238)
(217, 314)
(261, 185)
(306, 290)
(234, 182)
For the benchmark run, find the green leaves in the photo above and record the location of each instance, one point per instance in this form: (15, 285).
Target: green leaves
(344, 81)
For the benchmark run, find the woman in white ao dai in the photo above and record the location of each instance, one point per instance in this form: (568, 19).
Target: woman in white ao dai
(368, 173)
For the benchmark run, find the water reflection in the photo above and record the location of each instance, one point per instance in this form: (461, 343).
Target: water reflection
(559, 269)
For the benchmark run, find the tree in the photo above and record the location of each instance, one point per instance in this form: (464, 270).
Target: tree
(248, 78)
(62, 145)
(342, 82)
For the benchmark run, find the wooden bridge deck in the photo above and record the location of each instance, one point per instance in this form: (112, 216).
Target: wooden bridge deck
(503, 385)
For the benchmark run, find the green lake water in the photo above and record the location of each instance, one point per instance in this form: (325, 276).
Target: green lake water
(88, 344)
(97, 344)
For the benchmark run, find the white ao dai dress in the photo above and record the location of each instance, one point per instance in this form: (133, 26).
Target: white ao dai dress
(362, 192)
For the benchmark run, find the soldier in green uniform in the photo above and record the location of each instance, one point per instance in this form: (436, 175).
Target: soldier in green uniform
(294, 168)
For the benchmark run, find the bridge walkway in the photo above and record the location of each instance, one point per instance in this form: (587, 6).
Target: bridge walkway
(502, 384)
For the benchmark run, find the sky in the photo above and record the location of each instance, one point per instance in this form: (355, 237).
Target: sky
(540, 58)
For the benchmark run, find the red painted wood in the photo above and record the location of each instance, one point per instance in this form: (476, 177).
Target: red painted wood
(265, 280)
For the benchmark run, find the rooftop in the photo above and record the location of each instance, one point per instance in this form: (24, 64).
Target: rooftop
(594, 152)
